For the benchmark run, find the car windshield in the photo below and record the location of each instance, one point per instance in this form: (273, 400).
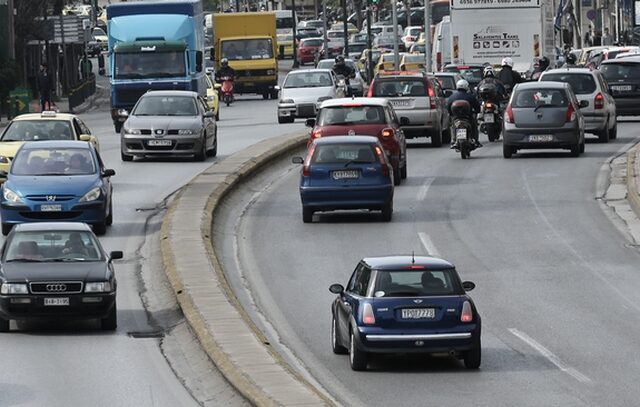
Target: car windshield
(353, 48)
(34, 130)
(418, 48)
(238, 50)
(412, 283)
(308, 80)
(151, 65)
(315, 24)
(620, 71)
(341, 115)
(335, 34)
(329, 63)
(53, 161)
(165, 106)
(447, 82)
(399, 87)
(99, 31)
(312, 43)
(344, 154)
(56, 245)
(438, 11)
(414, 58)
(473, 75)
(539, 98)
(582, 84)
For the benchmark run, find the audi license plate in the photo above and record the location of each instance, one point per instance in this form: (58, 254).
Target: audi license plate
(418, 313)
(51, 208)
(488, 118)
(461, 134)
(159, 143)
(400, 103)
(345, 174)
(622, 88)
(541, 138)
(55, 302)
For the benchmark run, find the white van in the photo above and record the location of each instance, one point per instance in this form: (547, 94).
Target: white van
(441, 51)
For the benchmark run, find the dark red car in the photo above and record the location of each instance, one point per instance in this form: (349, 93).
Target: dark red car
(364, 117)
(307, 49)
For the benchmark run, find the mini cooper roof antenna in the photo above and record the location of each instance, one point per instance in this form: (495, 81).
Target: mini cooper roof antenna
(413, 257)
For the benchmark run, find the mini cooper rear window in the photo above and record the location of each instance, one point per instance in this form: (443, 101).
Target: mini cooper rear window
(344, 153)
(412, 283)
(581, 83)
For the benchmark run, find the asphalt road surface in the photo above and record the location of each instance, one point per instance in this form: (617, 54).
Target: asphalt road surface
(556, 281)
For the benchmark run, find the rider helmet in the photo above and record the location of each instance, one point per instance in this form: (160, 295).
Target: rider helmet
(488, 71)
(571, 59)
(462, 85)
(224, 62)
(507, 61)
(339, 60)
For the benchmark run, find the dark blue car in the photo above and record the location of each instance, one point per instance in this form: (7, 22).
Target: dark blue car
(405, 304)
(57, 180)
(346, 172)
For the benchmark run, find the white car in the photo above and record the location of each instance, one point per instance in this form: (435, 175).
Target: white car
(357, 84)
(410, 35)
(303, 90)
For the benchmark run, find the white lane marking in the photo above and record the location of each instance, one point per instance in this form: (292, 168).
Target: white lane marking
(422, 192)
(428, 244)
(550, 356)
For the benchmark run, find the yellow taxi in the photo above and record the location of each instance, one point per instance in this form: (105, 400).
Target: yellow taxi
(412, 62)
(285, 43)
(351, 29)
(48, 125)
(213, 100)
(385, 63)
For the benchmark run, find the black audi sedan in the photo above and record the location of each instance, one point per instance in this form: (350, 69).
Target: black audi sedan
(56, 270)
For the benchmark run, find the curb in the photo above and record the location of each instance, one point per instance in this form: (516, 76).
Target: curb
(632, 188)
(223, 328)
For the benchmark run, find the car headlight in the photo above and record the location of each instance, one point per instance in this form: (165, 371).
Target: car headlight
(211, 98)
(11, 196)
(101, 287)
(4, 160)
(14, 288)
(135, 132)
(284, 101)
(91, 195)
(122, 112)
(186, 132)
(271, 72)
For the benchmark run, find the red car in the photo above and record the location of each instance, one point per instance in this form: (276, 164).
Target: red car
(364, 117)
(307, 49)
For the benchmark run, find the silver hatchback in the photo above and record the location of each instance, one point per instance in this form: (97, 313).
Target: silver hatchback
(590, 85)
(543, 115)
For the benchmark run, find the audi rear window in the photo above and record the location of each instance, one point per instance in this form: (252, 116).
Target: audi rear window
(344, 153)
(582, 84)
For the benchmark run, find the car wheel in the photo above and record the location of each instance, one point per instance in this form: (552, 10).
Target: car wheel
(274, 94)
(110, 322)
(387, 212)
(603, 135)
(397, 177)
(117, 126)
(575, 150)
(446, 135)
(282, 120)
(436, 138)
(4, 325)
(265, 95)
(307, 214)
(582, 147)
(100, 228)
(403, 171)
(202, 154)
(125, 157)
(214, 150)
(218, 114)
(6, 228)
(473, 356)
(357, 357)
(109, 220)
(613, 134)
(338, 349)
(507, 151)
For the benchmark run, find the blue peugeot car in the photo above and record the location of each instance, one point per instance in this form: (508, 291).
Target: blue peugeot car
(346, 172)
(57, 180)
(405, 304)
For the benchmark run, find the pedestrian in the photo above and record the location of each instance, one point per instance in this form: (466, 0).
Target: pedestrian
(607, 39)
(44, 87)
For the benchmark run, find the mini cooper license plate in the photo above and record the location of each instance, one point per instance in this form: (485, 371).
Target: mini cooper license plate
(51, 208)
(56, 302)
(540, 138)
(461, 134)
(352, 174)
(418, 313)
(488, 118)
(159, 143)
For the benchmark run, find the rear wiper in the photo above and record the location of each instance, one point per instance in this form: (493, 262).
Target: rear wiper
(402, 294)
(545, 105)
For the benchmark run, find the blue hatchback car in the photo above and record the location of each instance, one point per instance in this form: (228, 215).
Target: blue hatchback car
(346, 172)
(57, 180)
(405, 304)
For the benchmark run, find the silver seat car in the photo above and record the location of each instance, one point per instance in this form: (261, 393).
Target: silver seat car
(303, 90)
(543, 115)
(169, 123)
(590, 85)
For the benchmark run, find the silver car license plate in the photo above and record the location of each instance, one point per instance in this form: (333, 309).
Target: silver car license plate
(622, 88)
(56, 302)
(51, 208)
(488, 118)
(418, 313)
(541, 138)
(159, 143)
(400, 103)
(461, 134)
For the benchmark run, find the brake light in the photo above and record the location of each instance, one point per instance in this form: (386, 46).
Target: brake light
(316, 133)
(307, 161)
(432, 97)
(370, 92)
(571, 113)
(415, 267)
(509, 112)
(387, 133)
(383, 161)
(367, 314)
(489, 105)
(467, 312)
(598, 103)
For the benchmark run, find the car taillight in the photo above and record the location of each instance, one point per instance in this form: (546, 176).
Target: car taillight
(307, 161)
(316, 133)
(488, 105)
(467, 312)
(370, 92)
(432, 97)
(388, 133)
(439, 60)
(509, 112)
(598, 103)
(367, 314)
(383, 161)
(571, 113)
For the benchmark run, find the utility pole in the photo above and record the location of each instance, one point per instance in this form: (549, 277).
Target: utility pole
(12, 30)
(324, 25)
(427, 35)
(396, 51)
(296, 64)
(344, 28)
(369, 66)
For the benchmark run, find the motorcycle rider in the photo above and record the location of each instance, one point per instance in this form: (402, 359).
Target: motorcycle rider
(462, 93)
(225, 70)
(570, 61)
(543, 65)
(508, 76)
(341, 68)
(490, 81)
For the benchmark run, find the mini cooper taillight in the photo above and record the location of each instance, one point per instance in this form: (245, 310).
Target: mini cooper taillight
(467, 312)
(367, 314)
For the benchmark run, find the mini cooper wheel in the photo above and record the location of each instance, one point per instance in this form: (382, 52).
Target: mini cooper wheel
(357, 357)
(473, 356)
(337, 348)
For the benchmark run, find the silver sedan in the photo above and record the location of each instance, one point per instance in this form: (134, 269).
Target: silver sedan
(302, 92)
(169, 123)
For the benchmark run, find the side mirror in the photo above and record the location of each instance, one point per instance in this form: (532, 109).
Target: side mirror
(448, 92)
(116, 255)
(583, 103)
(336, 288)
(209, 114)
(217, 86)
(85, 137)
(468, 285)
(276, 87)
(311, 122)
(3, 174)
(199, 61)
(404, 121)
(108, 173)
(123, 113)
(297, 160)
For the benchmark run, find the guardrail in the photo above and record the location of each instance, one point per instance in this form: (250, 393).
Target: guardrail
(81, 92)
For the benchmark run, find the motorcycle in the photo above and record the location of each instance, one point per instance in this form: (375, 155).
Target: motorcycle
(490, 116)
(343, 86)
(226, 91)
(462, 128)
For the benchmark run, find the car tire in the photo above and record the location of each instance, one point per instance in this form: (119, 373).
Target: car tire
(125, 157)
(436, 139)
(582, 147)
(473, 357)
(117, 126)
(307, 214)
(110, 322)
(603, 135)
(387, 212)
(446, 136)
(403, 171)
(265, 95)
(397, 177)
(357, 358)
(4, 325)
(613, 134)
(202, 154)
(6, 228)
(507, 151)
(337, 348)
(282, 120)
(109, 219)
(575, 150)
(274, 94)
(100, 228)
(218, 114)
(214, 150)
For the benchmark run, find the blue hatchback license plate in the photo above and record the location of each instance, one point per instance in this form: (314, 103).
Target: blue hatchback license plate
(418, 313)
(50, 208)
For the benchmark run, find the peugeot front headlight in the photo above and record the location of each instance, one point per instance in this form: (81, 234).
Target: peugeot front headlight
(101, 287)
(11, 196)
(91, 195)
(14, 288)
(186, 132)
